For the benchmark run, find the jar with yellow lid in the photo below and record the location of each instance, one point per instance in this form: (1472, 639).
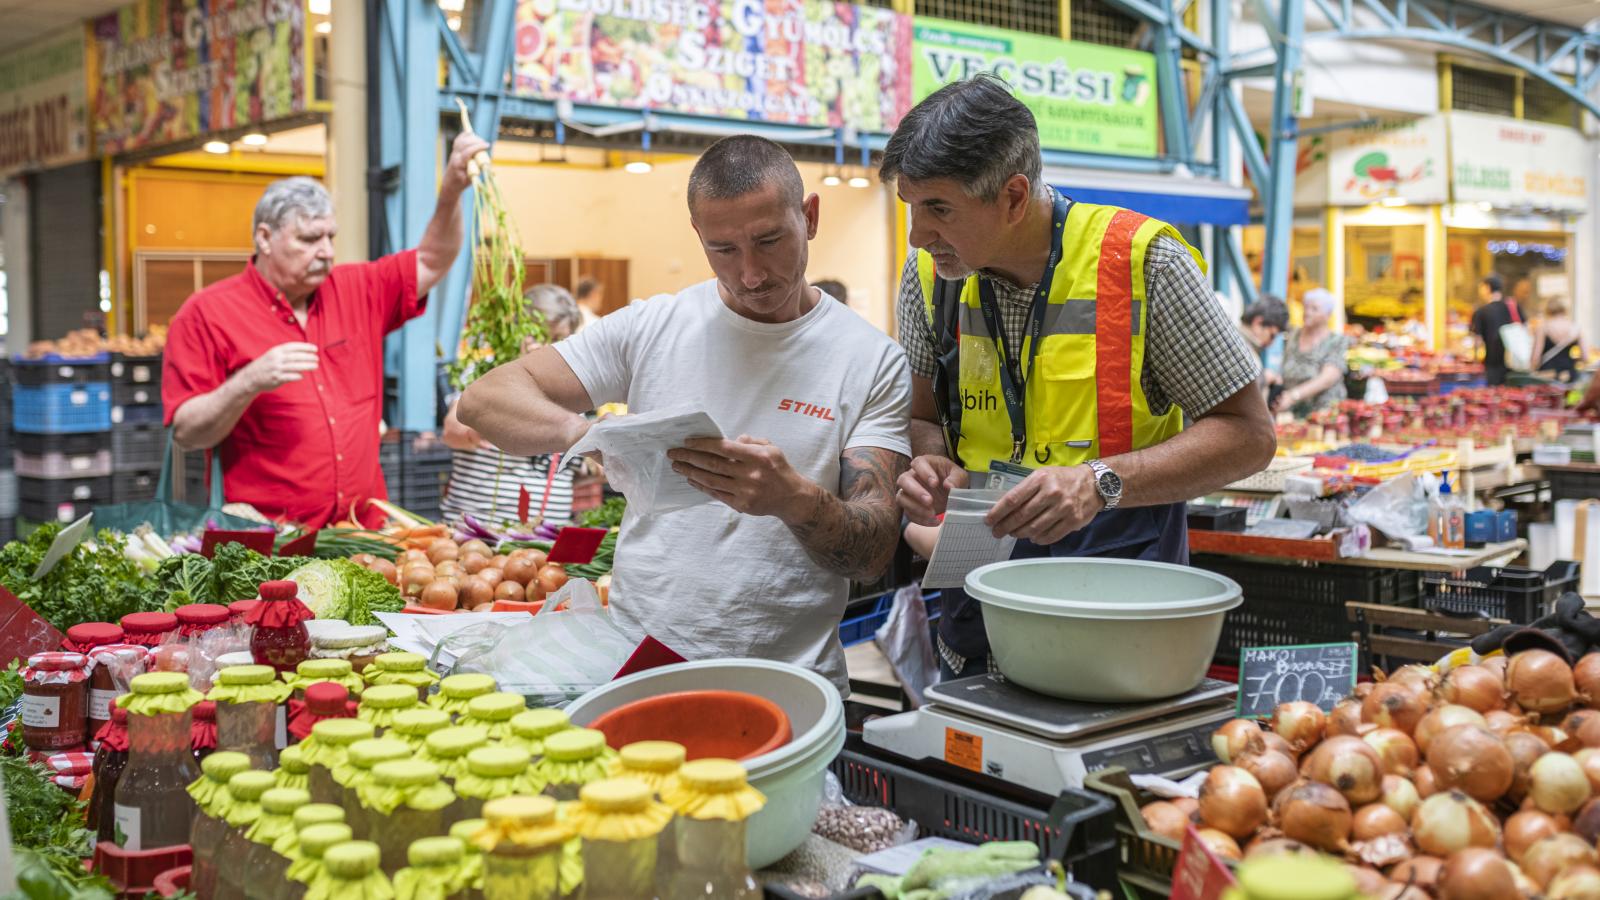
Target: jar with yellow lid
(357, 769)
(409, 669)
(1293, 877)
(248, 700)
(210, 827)
(242, 810)
(456, 691)
(380, 703)
(435, 871)
(530, 727)
(492, 773)
(311, 671)
(326, 749)
(288, 846)
(493, 713)
(351, 871)
(472, 863)
(447, 748)
(521, 840)
(263, 868)
(151, 805)
(315, 841)
(712, 799)
(293, 771)
(573, 758)
(414, 725)
(655, 763)
(620, 825)
(403, 800)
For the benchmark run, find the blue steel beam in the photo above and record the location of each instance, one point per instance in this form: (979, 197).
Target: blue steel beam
(418, 133)
(1170, 93)
(1223, 271)
(1278, 195)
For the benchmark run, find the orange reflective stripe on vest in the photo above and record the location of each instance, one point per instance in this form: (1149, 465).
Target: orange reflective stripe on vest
(1113, 334)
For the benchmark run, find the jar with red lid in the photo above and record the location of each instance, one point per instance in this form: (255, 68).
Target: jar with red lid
(324, 700)
(86, 636)
(238, 609)
(280, 639)
(203, 729)
(55, 701)
(112, 667)
(197, 618)
(148, 629)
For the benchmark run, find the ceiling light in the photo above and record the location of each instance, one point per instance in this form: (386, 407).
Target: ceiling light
(324, 28)
(1393, 201)
(320, 7)
(452, 5)
(1485, 206)
(831, 180)
(637, 167)
(860, 181)
(454, 23)
(254, 139)
(218, 147)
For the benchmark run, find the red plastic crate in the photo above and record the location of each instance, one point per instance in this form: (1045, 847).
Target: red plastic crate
(134, 873)
(172, 882)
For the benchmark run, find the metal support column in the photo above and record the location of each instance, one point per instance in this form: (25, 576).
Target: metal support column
(416, 132)
(1223, 272)
(1278, 195)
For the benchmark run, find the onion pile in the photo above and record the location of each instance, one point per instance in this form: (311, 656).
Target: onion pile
(448, 576)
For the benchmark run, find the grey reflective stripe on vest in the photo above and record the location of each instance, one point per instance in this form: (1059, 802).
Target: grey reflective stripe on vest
(1071, 317)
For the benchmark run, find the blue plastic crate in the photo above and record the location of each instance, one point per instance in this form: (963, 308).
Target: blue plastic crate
(62, 408)
(860, 629)
(1446, 388)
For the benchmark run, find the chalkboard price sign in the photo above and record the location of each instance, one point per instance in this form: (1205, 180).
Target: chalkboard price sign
(1323, 674)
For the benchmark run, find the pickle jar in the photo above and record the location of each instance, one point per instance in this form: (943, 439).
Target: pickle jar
(55, 701)
(493, 713)
(264, 868)
(357, 769)
(492, 773)
(152, 806)
(210, 826)
(458, 690)
(323, 700)
(434, 872)
(530, 727)
(306, 866)
(573, 758)
(380, 703)
(465, 830)
(327, 750)
(293, 771)
(353, 872)
(713, 800)
(447, 748)
(404, 800)
(409, 669)
(414, 725)
(522, 841)
(288, 844)
(248, 700)
(620, 825)
(313, 671)
(242, 809)
(655, 763)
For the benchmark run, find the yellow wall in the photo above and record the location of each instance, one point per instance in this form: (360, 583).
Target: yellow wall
(194, 210)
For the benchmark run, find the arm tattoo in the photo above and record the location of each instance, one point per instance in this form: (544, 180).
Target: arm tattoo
(855, 533)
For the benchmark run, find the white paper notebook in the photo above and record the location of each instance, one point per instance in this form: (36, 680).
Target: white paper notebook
(966, 542)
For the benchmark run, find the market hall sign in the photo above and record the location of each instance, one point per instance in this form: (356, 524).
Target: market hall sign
(173, 70)
(1516, 163)
(44, 118)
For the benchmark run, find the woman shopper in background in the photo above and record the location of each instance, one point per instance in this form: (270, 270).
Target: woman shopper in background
(1313, 359)
(1558, 342)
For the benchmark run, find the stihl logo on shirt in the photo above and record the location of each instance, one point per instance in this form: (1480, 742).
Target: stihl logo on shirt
(806, 409)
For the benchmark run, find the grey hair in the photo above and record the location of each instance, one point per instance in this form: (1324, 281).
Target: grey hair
(289, 199)
(974, 132)
(556, 304)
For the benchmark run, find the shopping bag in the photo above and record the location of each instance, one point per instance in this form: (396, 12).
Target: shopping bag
(907, 644)
(165, 515)
(1518, 341)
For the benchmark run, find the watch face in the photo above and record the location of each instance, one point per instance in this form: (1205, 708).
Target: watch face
(1109, 483)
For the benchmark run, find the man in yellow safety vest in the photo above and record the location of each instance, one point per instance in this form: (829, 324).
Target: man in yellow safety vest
(1059, 347)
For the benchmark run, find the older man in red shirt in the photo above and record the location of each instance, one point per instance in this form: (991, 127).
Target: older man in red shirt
(280, 368)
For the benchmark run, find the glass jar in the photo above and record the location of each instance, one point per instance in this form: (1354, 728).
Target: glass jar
(434, 871)
(324, 700)
(493, 713)
(55, 701)
(209, 827)
(573, 758)
(655, 763)
(522, 844)
(110, 758)
(713, 800)
(248, 699)
(293, 771)
(409, 669)
(381, 702)
(239, 610)
(199, 618)
(327, 749)
(86, 636)
(447, 748)
(620, 825)
(530, 727)
(403, 801)
(203, 730)
(457, 690)
(288, 846)
(357, 769)
(264, 870)
(307, 868)
(465, 830)
(280, 638)
(492, 773)
(352, 872)
(311, 671)
(152, 806)
(414, 725)
(359, 645)
(242, 810)
(148, 629)
(112, 667)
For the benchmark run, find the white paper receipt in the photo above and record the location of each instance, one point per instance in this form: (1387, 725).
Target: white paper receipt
(965, 541)
(635, 451)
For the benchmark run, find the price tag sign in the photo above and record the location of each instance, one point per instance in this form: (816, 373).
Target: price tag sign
(1198, 874)
(576, 545)
(1322, 674)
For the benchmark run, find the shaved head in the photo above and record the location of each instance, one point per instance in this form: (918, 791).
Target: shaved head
(744, 164)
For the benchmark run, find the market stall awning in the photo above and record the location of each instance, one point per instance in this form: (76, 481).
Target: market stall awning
(1178, 199)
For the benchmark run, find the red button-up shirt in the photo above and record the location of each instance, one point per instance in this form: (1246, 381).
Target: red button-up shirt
(307, 451)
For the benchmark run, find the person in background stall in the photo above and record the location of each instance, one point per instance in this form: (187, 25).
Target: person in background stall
(833, 288)
(591, 297)
(1497, 311)
(1262, 323)
(1558, 342)
(487, 483)
(1314, 359)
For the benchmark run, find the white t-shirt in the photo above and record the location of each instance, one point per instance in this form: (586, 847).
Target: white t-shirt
(707, 581)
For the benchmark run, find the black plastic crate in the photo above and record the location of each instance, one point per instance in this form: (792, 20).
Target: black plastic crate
(125, 394)
(1078, 828)
(137, 447)
(8, 530)
(55, 369)
(1566, 485)
(68, 444)
(137, 413)
(135, 369)
(61, 499)
(1290, 604)
(129, 487)
(1511, 592)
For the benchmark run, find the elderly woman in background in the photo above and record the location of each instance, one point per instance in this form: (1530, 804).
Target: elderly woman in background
(486, 482)
(1313, 359)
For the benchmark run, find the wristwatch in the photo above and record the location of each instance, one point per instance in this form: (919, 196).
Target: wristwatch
(1107, 482)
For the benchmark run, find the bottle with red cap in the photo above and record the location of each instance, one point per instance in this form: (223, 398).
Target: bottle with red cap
(203, 729)
(280, 639)
(324, 700)
(148, 629)
(109, 761)
(198, 618)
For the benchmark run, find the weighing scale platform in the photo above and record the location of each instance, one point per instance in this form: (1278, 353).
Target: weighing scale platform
(989, 725)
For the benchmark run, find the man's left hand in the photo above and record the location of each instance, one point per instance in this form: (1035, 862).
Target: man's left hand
(456, 175)
(750, 475)
(1048, 505)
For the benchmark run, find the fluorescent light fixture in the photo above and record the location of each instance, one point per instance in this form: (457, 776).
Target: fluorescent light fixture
(1485, 206)
(860, 181)
(320, 7)
(324, 28)
(254, 139)
(831, 180)
(454, 23)
(1393, 201)
(637, 167)
(452, 5)
(218, 147)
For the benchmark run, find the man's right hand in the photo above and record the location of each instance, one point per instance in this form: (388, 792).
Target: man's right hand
(279, 366)
(925, 488)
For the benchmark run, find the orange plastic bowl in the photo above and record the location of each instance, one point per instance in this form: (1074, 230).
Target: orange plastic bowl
(715, 724)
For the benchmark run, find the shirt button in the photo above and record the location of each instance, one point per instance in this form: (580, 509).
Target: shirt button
(339, 457)
(330, 420)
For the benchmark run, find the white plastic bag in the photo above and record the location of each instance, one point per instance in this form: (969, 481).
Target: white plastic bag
(905, 641)
(1518, 342)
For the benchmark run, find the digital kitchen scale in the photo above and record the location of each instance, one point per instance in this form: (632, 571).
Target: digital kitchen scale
(989, 725)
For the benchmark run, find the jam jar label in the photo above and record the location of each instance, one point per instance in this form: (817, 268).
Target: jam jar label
(100, 704)
(41, 712)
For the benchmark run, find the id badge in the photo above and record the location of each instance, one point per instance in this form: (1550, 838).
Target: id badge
(1003, 476)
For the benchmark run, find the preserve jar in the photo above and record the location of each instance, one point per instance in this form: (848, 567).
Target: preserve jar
(55, 701)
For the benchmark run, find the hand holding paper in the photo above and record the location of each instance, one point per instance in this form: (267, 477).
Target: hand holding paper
(635, 450)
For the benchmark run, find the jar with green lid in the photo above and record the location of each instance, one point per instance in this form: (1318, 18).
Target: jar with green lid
(409, 669)
(493, 713)
(315, 841)
(293, 771)
(248, 699)
(530, 727)
(263, 868)
(620, 825)
(447, 748)
(435, 871)
(457, 690)
(351, 871)
(1293, 877)
(492, 773)
(414, 725)
(404, 800)
(521, 840)
(151, 805)
(472, 863)
(242, 810)
(311, 671)
(288, 846)
(357, 769)
(713, 800)
(380, 703)
(655, 763)
(326, 749)
(573, 758)
(209, 792)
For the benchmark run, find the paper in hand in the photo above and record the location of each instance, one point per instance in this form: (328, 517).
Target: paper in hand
(966, 542)
(635, 447)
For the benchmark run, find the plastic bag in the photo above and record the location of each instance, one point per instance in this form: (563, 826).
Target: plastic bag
(1392, 508)
(207, 647)
(553, 657)
(905, 641)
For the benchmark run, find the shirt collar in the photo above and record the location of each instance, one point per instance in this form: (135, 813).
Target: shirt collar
(273, 297)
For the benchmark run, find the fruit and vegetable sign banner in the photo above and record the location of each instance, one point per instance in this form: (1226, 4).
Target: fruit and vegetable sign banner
(1085, 97)
(1514, 163)
(43, 115)
(1404, 159)
(796, 62)
(173, 70)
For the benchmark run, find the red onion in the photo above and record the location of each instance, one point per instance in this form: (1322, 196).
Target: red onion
(1232, 801)
(1471, 758)
(1473, 687)
(1540, 681)
(1452, 821)
(1300, 723)
(1315, 814)
(1350, 766)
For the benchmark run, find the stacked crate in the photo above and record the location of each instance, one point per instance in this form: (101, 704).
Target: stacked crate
(61, 413)
(137, 438)
(416, 467)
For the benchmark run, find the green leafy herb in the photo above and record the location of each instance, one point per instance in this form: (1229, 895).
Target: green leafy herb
(234, 572)
(606, 515)
(92, 583)
(49, 835)
(602, 562)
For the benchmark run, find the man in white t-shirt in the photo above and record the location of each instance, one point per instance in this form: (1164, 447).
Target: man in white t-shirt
(803, 497)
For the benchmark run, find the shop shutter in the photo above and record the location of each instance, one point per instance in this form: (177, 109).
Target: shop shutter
(66, 249)
(1097, 22)
(1543, 102)
(1034, 16)
(1479, 90)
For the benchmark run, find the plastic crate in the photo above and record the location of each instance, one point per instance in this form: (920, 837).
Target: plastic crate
(62, 408)
(1511, 592)
(8, 529)
(135, 369)
(63, 465)
(56, 369)
(1144, 859)
(129, 487)
(70, 444)
(860, 624)
(133, 873)
(137, 414)
(124, 394)
(137, 447)
(1291, 604)
(8, 494)
(60, 500)
(1567, 485)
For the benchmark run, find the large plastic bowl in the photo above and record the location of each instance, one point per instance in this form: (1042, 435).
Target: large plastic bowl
(719, 724)
(1102, 630)
(792, 775)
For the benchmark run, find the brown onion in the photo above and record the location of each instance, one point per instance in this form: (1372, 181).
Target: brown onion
(1503, 722)
(1166, 820)
(1400, 795)
(1403, 892)
(1552, 735)
(1540, 681)
(1586, 679)
(1236, 738)
(1441, 718)
(1300, 723)
(1393, 705)
(1586, 824)
(1315, 814)
(1232, 801)
(1376, 820)
(1279, 846)
(1558, 784)
(1525, 750)
(1350, 765)
(1219, 843)
(1578, 882)
(1189, 805)
(1473, 687)
(1476, 874)
(1549, 856)
(1495, 665)
(1369, 882)
(1472, 759)
(1527, 828)
(1589, 759)
(1395, 749)
(1421, 679)
(1427, 785)
(1276, 744)
(1420, 871)
(1589, 733)
(1274, 770)
(1575, 720)
(1345, 718)
(1452, 821)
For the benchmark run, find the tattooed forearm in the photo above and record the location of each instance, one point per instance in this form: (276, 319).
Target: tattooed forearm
(854, 534)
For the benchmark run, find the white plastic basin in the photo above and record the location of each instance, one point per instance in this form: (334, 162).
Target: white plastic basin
(792, 775)
(1102, 630)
